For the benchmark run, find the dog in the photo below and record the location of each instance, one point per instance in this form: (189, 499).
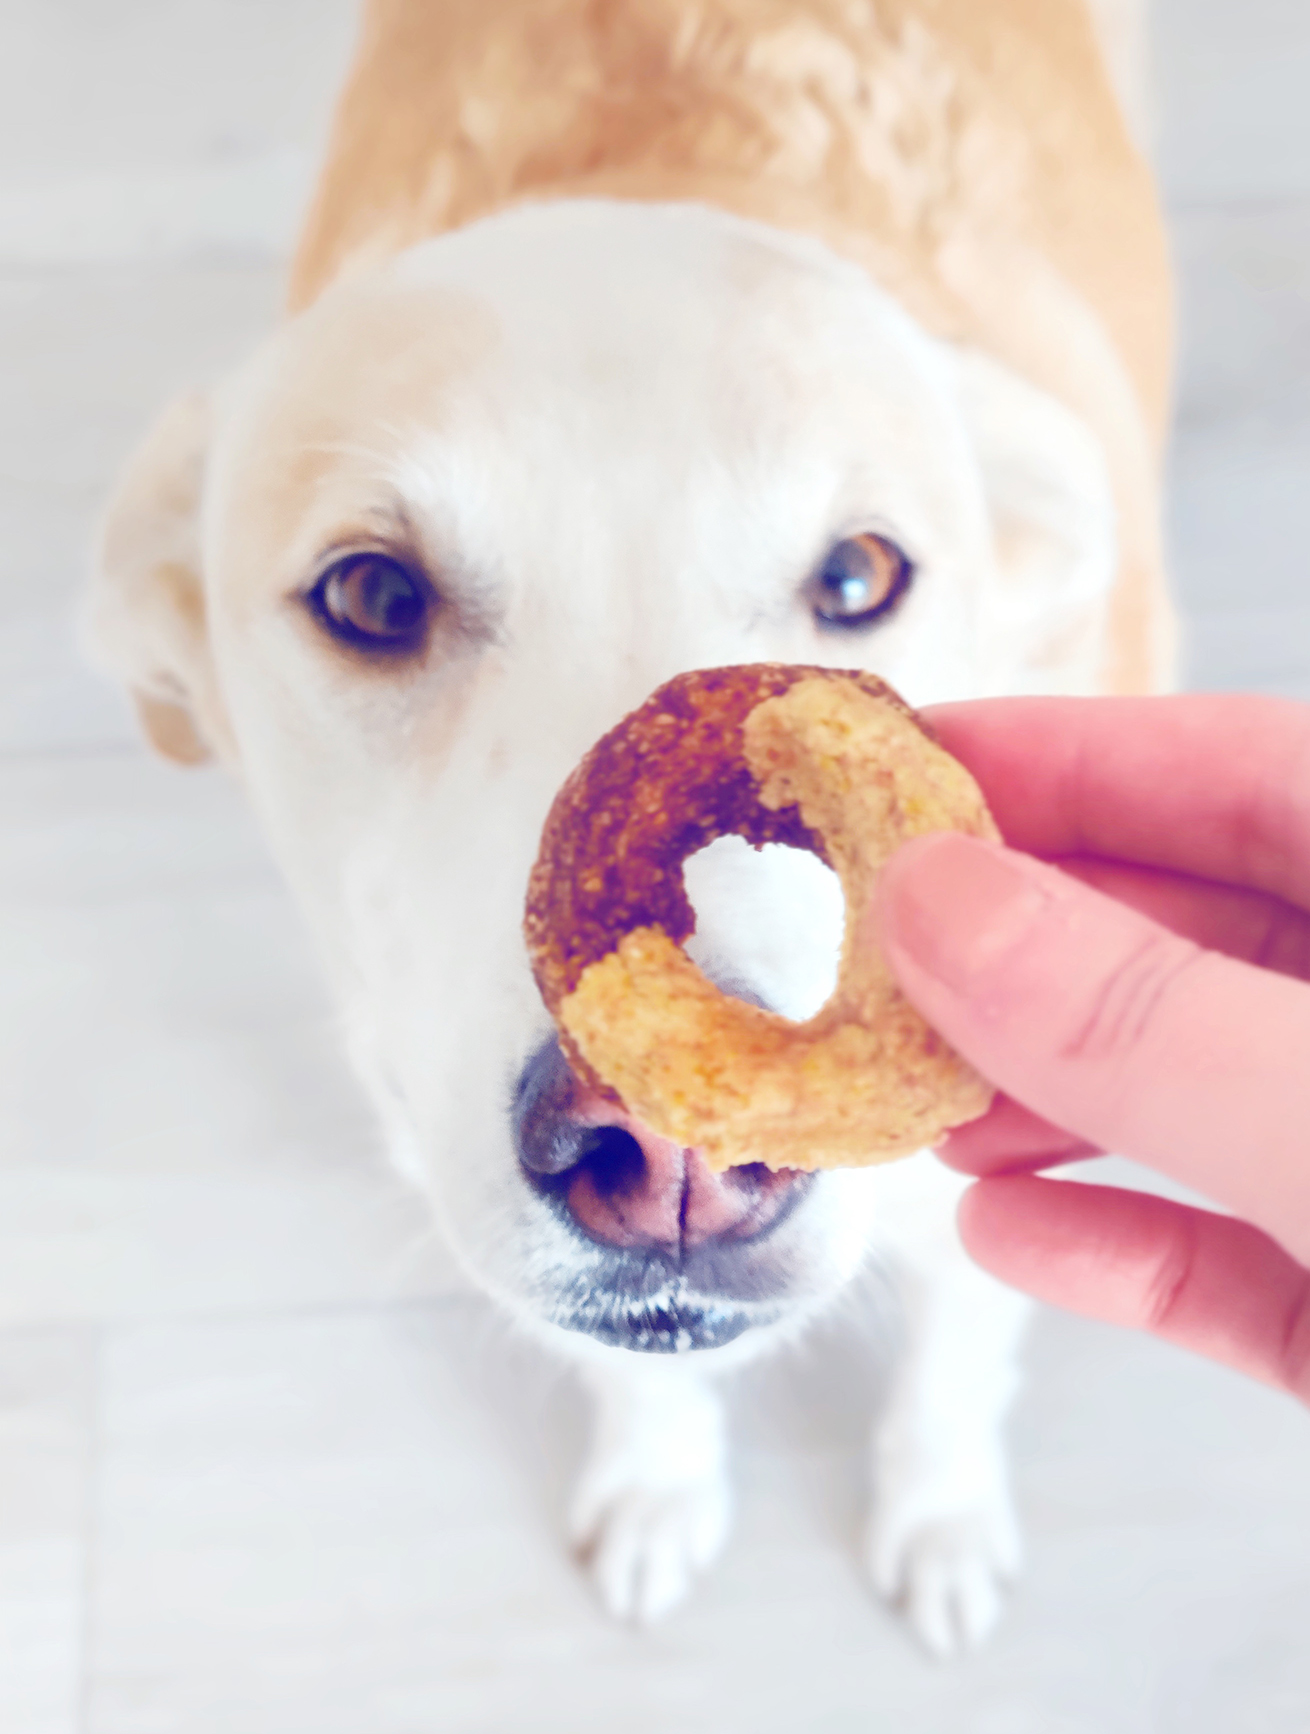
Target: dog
(617, 328)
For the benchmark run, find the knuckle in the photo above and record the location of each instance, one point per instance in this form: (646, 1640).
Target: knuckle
(1172, 1277)
(1129, 999)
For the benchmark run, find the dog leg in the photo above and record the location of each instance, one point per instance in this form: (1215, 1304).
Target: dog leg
(653, 1503)
(943, 1539)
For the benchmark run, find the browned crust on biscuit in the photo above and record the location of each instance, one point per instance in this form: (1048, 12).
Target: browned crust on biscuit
(667, 781)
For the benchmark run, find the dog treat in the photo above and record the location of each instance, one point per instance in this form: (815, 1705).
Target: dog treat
(828, 760)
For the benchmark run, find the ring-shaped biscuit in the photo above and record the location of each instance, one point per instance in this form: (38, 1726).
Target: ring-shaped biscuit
(828, 760)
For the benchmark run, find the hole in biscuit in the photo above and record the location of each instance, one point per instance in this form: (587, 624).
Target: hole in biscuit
(768, 923)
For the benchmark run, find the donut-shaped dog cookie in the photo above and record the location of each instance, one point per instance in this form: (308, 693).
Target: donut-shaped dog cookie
(822, 759)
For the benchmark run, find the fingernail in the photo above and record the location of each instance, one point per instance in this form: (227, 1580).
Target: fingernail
(957, 906)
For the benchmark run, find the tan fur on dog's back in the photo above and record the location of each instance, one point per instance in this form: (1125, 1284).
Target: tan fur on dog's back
(901, 128)
(971, 153)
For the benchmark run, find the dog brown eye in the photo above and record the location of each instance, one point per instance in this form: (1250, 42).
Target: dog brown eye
(863, 578)
(372, 600)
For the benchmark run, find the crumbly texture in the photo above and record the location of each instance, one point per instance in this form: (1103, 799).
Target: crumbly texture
(822, 759)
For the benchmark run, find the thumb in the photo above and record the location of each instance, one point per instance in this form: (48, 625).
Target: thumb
(1108, 1025)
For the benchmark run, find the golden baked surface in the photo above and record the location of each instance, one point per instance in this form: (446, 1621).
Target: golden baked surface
(821, 759)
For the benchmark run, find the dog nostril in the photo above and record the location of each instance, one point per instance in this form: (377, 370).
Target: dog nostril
(549, 1144)
(615, 1162)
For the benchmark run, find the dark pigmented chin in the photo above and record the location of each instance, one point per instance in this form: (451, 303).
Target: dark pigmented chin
(672, 1322)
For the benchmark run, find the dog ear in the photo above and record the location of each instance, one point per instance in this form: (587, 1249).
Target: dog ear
(143, 615)
(1053, 517)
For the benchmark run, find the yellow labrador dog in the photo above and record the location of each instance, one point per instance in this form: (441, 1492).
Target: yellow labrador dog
(629, 337)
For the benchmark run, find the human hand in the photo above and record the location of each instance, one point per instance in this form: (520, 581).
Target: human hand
(1147, 996)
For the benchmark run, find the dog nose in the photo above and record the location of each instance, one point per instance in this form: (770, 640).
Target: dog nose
(623, 1185)
(634, 1189)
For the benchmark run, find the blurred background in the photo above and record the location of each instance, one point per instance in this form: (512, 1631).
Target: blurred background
(264, 1464)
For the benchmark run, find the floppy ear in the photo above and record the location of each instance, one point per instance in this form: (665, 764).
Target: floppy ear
(143, 615)
(1053, 518)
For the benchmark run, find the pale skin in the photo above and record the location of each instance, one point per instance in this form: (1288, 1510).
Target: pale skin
(1149, 995)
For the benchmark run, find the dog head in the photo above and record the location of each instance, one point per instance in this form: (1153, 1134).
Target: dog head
(446, 529)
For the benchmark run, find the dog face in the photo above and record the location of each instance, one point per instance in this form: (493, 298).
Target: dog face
(447, 529)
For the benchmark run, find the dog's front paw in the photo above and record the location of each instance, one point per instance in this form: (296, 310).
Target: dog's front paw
(645, 1539)
(946, 1563)
(652, 1507)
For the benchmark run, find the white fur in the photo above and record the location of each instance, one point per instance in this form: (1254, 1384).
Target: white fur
(621, 438)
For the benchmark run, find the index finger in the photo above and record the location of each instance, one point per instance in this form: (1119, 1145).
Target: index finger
(1210, 785)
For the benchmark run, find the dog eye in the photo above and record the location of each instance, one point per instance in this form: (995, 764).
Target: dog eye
(371, 600)
(863, 578)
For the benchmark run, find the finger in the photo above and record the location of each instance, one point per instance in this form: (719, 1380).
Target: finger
(1009, 1139)
(1264, 930)
(1205, 1282)
(1214, 786)
(1250, 925)
(1102, 1022)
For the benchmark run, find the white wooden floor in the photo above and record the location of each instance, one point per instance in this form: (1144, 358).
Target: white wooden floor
(265, 1468)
